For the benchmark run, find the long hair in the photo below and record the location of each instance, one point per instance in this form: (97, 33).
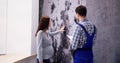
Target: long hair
(43, 24)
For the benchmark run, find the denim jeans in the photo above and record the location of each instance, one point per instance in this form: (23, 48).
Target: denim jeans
(44, 61)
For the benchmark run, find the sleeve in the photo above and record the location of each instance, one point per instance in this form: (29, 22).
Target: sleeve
(39, 40)
(53, 33)
(76, 38)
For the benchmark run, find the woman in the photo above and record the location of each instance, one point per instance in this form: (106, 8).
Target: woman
(44, 44)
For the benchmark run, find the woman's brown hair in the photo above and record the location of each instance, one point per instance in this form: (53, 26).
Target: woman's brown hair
(43, 24)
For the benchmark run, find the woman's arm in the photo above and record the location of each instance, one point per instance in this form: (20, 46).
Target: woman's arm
(53, 33)
(39, 40)
(56, 32)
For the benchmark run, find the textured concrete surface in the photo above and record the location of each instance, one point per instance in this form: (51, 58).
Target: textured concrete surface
(106, 15)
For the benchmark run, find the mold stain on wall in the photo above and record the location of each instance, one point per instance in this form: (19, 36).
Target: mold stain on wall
(61, 12)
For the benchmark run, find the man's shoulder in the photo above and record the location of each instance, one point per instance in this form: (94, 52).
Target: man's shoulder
(87, 23)
(78, 27)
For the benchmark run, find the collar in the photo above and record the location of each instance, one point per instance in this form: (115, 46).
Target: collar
(84, 20)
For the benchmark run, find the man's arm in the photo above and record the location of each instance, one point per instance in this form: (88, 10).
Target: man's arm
(76, 38)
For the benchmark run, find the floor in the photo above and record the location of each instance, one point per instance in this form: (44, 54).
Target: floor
(11, 58)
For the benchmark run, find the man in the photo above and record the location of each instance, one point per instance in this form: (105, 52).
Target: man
(83, 38)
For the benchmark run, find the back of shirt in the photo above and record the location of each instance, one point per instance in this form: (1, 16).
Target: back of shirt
(79, 38)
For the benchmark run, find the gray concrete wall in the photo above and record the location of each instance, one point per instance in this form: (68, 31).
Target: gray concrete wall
(106, 15)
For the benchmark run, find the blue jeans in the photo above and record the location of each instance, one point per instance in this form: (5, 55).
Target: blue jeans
(44, 61)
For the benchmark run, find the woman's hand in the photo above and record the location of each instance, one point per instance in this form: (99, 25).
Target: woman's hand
(41, 61)
(62, 29)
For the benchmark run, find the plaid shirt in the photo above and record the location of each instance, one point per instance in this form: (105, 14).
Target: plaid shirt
(79, 38)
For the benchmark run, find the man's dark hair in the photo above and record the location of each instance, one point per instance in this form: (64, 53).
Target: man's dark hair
(81, 10)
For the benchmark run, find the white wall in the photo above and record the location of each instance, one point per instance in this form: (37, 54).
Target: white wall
(35, 18)
(18, 24)
(3, 16)
(19, 27)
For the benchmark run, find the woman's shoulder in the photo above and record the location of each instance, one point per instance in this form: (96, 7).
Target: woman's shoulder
(40, 32)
